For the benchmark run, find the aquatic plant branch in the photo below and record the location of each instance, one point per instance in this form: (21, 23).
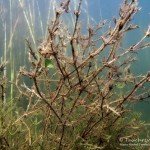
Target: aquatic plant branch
(73, 41)
(136, 86)
(45, 101)
(83, 89)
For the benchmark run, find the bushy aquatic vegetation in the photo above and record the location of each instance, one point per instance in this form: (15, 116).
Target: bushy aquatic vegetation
(72, 95)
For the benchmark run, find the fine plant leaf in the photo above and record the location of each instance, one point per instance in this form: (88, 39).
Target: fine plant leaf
(49, 63)
(120, 85)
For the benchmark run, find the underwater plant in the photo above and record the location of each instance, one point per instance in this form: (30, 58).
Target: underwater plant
(77, 91)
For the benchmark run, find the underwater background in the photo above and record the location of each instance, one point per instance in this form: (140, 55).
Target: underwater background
(29, 19)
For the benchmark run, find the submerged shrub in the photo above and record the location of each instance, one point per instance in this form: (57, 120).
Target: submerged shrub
(79, 97)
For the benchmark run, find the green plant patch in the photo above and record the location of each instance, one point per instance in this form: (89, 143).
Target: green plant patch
(49, 63)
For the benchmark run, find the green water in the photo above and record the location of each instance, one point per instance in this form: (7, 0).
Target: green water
(14, 29)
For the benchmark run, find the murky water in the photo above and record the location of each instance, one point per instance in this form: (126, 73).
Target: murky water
(21, 19)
